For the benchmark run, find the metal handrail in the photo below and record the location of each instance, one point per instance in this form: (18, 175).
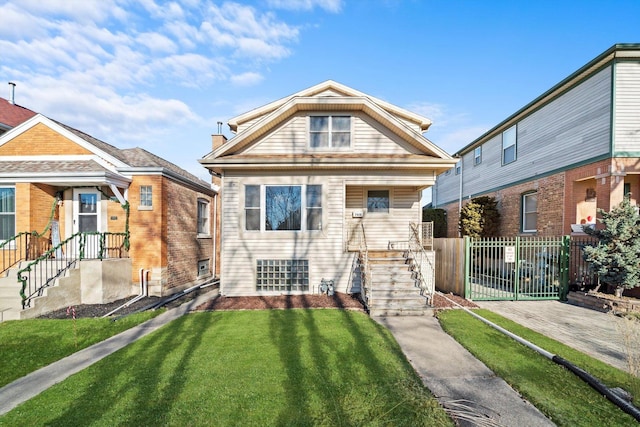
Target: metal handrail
(419, 255)
(365, 269)
(43, 271)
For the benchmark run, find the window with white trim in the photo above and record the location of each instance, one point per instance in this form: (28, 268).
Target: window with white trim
(203, 217)
(329, 131)
(459, 167)
(509, 145)
(378, 201)
(283, 207)
(7, 213)
(530, 212)
(146, 196)
(477, 155)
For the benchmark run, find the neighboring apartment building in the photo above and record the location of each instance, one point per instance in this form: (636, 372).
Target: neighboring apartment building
(551, 164)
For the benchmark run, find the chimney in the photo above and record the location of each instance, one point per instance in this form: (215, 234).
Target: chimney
(218, 139)
(12, 93)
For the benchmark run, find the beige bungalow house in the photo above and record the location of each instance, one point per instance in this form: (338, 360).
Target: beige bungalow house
(310, 181)
(123, 218)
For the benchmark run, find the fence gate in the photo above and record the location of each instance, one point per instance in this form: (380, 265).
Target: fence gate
(516, 268)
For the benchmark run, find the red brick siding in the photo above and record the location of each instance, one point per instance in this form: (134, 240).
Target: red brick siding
(184, 247)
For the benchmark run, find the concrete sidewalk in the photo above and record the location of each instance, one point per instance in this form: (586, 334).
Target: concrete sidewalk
(453, 374)
(25, 388)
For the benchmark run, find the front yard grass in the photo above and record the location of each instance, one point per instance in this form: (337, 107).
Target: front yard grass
(558, 393)
(28, 345)
(256, 368)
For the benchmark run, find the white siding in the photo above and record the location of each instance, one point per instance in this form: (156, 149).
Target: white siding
(325, 250)
(368, 136)
(571, 129)
(627, 109)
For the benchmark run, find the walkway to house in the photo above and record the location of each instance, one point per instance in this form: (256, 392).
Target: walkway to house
(454, 376)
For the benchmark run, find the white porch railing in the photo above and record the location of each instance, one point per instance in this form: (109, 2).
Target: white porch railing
(421, 236)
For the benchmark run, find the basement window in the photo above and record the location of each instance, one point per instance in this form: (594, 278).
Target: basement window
(282, 275)
(203, 268)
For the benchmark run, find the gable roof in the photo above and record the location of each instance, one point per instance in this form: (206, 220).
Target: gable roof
(11, 115)
(333, 103)
(330, 87)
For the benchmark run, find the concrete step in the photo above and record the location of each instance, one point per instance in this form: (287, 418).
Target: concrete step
(425, 311)
(393, 292)
(398, 302)
(9, 292)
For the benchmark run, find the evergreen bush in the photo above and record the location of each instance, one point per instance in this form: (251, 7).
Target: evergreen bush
(615, 257)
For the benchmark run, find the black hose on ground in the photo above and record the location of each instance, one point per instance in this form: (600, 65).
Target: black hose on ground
(621, 403)
(170, 298)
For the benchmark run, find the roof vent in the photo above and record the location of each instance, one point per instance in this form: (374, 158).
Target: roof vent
(12, 93)
(219, 128)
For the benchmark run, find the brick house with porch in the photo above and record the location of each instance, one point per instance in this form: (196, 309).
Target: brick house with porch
(56, 182)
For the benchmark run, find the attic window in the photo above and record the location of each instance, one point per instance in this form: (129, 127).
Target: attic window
(330, 131)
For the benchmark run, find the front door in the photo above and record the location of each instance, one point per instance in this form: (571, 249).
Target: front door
(87, 219)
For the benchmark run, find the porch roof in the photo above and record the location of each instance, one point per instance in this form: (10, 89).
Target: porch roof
(60, 172)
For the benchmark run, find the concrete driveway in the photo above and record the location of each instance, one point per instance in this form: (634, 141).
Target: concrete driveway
(600, 335)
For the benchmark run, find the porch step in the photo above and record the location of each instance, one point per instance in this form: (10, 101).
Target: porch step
(394, 290)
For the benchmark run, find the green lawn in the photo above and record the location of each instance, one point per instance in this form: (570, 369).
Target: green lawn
(277, 367)
(559, 394)
(27, 345)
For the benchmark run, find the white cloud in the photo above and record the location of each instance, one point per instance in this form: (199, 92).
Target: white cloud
(156, 42)
(246, 79)
(83, 11)
(328, 5)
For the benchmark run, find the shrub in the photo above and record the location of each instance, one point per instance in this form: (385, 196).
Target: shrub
(480, 217)
(439, 219)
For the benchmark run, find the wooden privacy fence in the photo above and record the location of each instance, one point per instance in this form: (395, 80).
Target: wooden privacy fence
(512, 268)
(449, 265)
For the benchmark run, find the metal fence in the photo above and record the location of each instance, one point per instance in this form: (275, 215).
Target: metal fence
(581, 276)
(518, 268)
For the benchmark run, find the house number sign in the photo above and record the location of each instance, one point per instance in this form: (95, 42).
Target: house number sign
(509, 254)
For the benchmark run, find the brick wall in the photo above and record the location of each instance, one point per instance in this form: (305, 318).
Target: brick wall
(148, 231)
(184, 246)
(41, 140)
(550, 192)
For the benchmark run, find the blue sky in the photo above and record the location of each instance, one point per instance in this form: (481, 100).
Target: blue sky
(161, 74)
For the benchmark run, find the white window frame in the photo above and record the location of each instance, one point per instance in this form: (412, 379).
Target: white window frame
(203, 223)
(458, 167)
(11, 187)
(304, 207)
(146, 195)
(330, 132)
(477, 155)
(378, 211)
(525, 226)
(510, 137)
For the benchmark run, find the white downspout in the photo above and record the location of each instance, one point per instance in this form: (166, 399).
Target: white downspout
(144, 291)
